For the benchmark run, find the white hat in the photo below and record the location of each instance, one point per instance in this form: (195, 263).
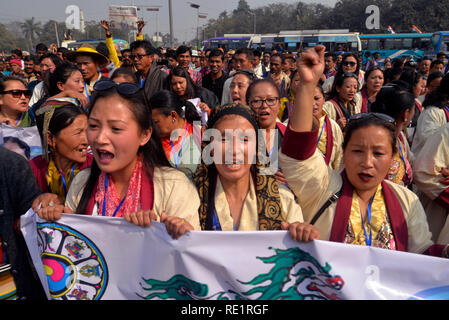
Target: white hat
(195, 53)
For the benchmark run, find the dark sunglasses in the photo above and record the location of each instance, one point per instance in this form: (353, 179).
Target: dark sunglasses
(138, 56)
(18, 93)
(349, 63)
(125, 88)
(381, 116)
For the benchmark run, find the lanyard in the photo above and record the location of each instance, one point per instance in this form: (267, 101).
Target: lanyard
(87, 92)
(177, 156)
(106, 182)
(368, 241)
(216, 222)
(405, 164)
(64, 184)
(322, 129)
(19, 119)
(142, 81)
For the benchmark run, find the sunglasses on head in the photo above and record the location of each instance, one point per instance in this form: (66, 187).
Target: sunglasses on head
(18, 93)
(381, 116)
(125, 88)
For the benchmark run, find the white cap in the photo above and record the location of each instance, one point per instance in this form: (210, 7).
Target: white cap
(194, 53)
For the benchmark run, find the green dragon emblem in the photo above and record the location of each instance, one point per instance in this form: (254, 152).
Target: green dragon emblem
(295, 275)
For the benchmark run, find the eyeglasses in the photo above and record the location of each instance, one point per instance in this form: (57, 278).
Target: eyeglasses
(138, 56)
(349, 63)
(381, 116)
(125, 88)
(269, 101)
(18, 93)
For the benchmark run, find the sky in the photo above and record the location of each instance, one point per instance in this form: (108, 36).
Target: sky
(184, 17)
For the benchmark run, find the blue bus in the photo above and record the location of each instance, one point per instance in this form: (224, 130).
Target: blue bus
(339, 41)
(227, 42)
(397, 45)
(440, 42)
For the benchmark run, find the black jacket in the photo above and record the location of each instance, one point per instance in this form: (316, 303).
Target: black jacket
(18, 189)
(155, 81)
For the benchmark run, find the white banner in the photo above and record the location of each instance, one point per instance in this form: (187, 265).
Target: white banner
(85, 258)
(122, 16)
(24, 141)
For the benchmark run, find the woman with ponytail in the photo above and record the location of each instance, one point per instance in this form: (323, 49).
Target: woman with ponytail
(130, 176)
(179, 126)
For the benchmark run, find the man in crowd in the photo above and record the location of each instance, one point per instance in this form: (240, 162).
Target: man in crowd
(330, 63)
(150, 77)
(266, 63)
(184, 58)
(277, 75)
(257, 64)
(436, 66)
(288, 64)
(424, 65)
(243, 60)
(41, 49)
(16, 68)
(29, 75)
(215, 79)
(89, 62)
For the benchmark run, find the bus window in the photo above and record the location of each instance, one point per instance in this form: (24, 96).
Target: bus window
(373, 44)
(364, 44)
(389, 44)
(407, 43)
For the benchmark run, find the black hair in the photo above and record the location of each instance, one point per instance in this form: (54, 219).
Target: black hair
(434, 75)
(22, 145)
(435, 62)
(61, 119)
(29, 58)
(145, 45)
(371, 70)
(338, 82)
(411, 77)
(60, 74)
(332, 55)
(170, 53)
(152, 152)
(53, 57)
(246, 51)
(9, 78)
(41, 47)
(391, 73)
(398, 62)
(393, 100)
(439, 97)
(192, 90)
(103, 49)
(253, 84)
(257, 53)
(368, 121)
(127, 72)
(167, 101)
(17, 52)
(216, 53)
(183, 49)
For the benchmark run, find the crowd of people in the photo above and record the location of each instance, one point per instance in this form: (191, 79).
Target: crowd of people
(359, 147)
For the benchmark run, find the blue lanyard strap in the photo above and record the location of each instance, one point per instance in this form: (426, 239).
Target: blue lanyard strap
(216, 225)
(368, 240)
(87, 92)
(19, 119)
(106, 182)
(142, 81)
(447, 108)
(405, 164)
(64, 183)
(178, 155)
(322, 129)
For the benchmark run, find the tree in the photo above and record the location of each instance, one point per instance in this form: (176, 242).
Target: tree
(31, 30)
(7, 40)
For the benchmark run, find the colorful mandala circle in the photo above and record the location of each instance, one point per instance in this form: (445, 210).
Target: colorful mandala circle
(75, 268)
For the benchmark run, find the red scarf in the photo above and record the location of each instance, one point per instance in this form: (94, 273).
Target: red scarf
(146, 198)
(394, 210)
(330, 140)
(364, 101)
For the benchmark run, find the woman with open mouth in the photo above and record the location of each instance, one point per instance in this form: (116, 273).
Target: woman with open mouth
(236, 194)
(357, 206)
(62, 126)
(342, 102)
(130, 177)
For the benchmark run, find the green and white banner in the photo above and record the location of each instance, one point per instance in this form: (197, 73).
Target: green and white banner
(89, 258)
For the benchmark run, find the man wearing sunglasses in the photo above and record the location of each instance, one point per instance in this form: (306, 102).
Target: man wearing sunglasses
(149, 76)
(14, 98)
